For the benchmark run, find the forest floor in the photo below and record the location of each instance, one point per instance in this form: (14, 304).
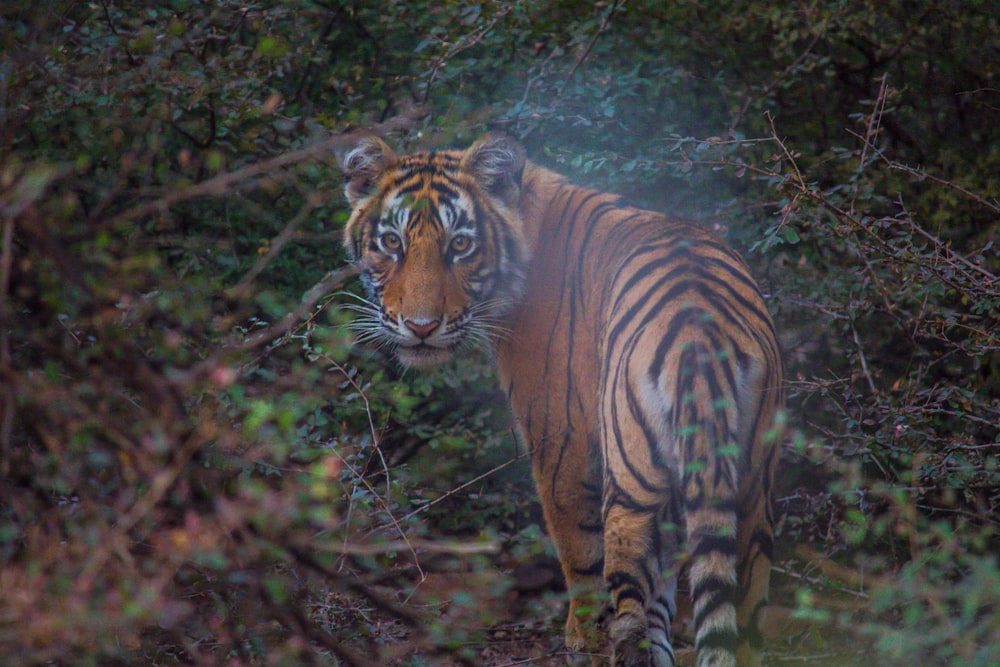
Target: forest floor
(520, 625)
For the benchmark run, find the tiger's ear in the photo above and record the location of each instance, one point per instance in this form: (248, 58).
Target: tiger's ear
(496, 161)
(363, 166)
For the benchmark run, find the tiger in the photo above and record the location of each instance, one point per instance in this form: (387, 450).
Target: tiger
(640, 363)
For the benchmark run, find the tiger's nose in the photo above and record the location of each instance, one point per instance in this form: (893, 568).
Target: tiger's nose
(422, 328)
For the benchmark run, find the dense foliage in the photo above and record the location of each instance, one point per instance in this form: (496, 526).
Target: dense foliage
(197, 466)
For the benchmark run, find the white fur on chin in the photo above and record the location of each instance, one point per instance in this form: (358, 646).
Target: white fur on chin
(422, 358)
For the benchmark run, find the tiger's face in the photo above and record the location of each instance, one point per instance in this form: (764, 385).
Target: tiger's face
(439, 240)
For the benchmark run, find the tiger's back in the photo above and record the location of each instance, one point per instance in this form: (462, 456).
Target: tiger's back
(642, 367)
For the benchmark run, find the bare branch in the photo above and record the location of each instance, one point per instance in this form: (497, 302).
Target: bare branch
(6, 390)
(426, 546)
(278, 243)
(218, 186)
(605, 23)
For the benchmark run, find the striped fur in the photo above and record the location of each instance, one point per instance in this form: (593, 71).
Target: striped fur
(640, 362)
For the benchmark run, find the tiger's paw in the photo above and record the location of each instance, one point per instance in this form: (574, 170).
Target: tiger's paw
(630, 641)
(579, 655)
(577, 659)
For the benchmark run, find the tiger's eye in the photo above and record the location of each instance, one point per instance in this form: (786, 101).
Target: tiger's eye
(390, 241)
(461, 244)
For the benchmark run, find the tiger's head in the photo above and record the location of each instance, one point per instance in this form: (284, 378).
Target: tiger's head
(440, 242)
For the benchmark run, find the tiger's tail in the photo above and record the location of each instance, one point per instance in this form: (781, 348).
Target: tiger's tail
(706, 421)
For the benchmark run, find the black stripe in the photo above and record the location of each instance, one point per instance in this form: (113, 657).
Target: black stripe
(718, 504)
(619, 439)
(623, 580)
(563, 291)
(446, 189)
(679, 254)
(706, 544)
(706, 371)
(709, 607)
(408, 189)
(563, 449)
(592, 490)
(765, 540)
(571, 285)
(712, 584)
(667, 648)
(751, 633)
(579, 289)
(721, 347)
(718, 638)
(748, 305)
(628, 317)
(615, 495)
(660, 613)
(591, 570)
(631, 594)
(688, 316)
(644, 247)
(735, 271)
(652, 439)
(620, 578)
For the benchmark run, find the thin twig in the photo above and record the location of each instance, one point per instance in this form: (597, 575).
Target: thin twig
(479, 478)
(278, 243)
(327, 284)
(396, 523)
(558, 655)
(778, 79)
(271, 334)
(605, 22)
(7, 390)
(124, 42)
(158, 487)
(224, 183)
(867, 142)
(427, 546)
(353, 584)
(871, 133)
(864, 361)
(463, 43)
(385, 467)
(297, 623)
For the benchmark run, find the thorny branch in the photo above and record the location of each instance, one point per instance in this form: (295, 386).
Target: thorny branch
(800, 188)
(819, 32)
(6, 388)
(278, 243)
(601, 29)
(463, 43)
(605, 22)
(224, 183)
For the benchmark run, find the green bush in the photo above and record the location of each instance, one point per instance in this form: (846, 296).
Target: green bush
(197, 464)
